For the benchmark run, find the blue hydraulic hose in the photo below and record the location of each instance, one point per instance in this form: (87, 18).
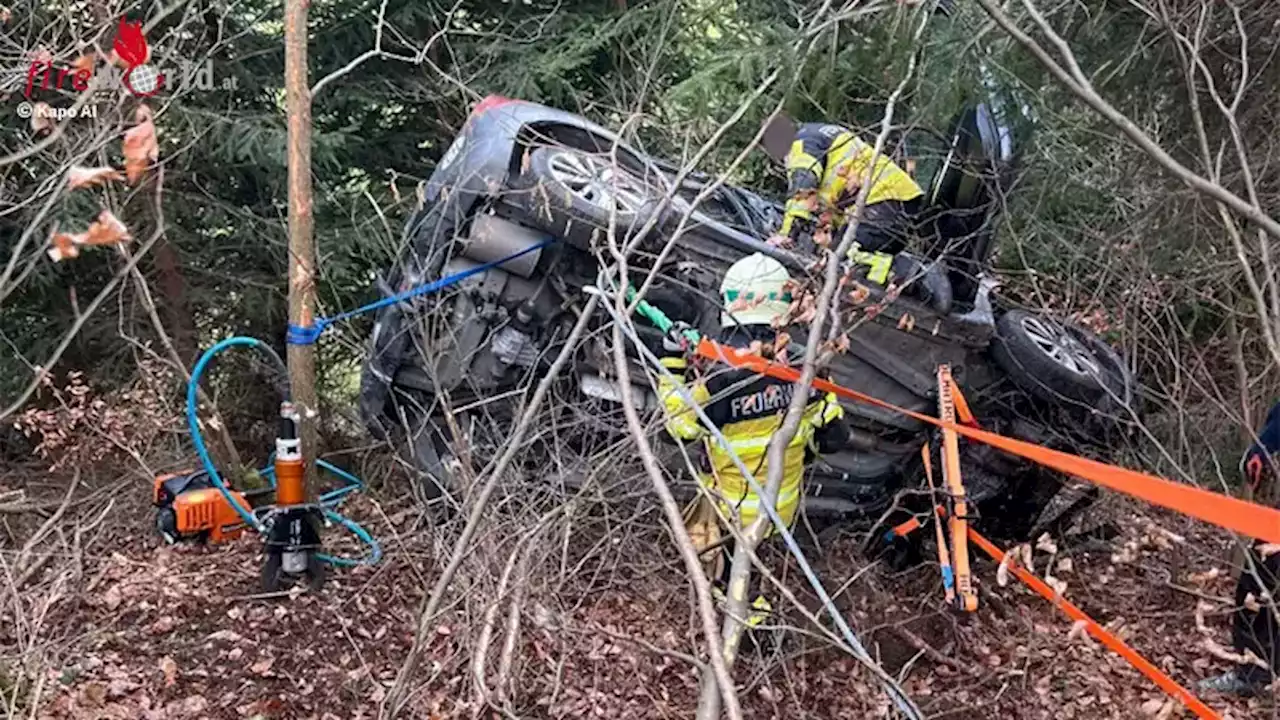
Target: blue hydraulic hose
(328, 500)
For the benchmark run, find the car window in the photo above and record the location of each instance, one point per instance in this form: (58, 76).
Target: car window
(922, 154)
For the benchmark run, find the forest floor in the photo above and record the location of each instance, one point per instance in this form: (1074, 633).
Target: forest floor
(119, 625)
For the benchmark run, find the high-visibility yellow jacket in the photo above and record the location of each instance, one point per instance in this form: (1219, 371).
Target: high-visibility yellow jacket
(825, 167)
(748, 409)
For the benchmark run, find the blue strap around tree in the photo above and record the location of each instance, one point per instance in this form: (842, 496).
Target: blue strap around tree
(299, 335)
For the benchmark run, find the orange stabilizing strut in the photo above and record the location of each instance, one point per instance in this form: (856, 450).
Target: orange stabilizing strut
(959, 522)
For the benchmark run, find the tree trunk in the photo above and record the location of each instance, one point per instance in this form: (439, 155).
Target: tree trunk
(173, 291)
(302, 249)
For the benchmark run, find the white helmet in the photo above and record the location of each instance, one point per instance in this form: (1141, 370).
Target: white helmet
(755, 291)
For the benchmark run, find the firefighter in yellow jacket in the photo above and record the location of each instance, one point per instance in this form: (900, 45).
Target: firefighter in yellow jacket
(826, 165)
(748, 409)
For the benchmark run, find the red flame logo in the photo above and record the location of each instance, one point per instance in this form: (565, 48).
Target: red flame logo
(130, 44)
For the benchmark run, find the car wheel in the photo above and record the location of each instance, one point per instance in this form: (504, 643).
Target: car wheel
(1049, 360)
(576, 194)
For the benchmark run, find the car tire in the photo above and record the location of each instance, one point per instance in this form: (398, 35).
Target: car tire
(575, 194)
(1050, 360)
(853, 485)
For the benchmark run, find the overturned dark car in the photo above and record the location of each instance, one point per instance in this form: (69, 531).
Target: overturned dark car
(520, 174)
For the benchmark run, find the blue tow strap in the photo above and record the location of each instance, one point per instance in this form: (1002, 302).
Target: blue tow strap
(299, 335)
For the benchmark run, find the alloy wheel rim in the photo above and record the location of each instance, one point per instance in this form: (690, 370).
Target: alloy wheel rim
(598, 181)
(1058, 345)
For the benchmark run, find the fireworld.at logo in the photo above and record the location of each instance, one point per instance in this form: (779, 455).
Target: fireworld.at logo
(139, 78)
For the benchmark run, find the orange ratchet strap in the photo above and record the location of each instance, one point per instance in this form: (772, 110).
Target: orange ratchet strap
(1244, 517)
(1163, 681)
(959, 520)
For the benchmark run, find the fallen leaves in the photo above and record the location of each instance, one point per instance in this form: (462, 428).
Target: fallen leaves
(1152, 706)
(111, 598)
(170, 670)
(1002, 572)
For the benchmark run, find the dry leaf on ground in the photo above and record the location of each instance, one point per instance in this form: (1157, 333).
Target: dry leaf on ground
(1079, 630)
(1002, 572)
(170, 670)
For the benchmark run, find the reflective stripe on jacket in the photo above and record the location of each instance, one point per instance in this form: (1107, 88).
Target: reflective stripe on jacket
(830, 162)
(748, 409)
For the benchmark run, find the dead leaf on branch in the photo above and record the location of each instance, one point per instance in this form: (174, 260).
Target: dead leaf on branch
(41, 117)
(822, 237)
(64, 247)
(79, 177)
(85, 63)
(141, 147)
(106, 230)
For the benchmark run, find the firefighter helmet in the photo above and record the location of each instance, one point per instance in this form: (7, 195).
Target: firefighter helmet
(755, 291)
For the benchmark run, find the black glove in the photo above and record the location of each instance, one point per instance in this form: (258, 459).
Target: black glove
(801, 234)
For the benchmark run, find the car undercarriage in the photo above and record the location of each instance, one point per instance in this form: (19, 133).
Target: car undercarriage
(522, 178)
